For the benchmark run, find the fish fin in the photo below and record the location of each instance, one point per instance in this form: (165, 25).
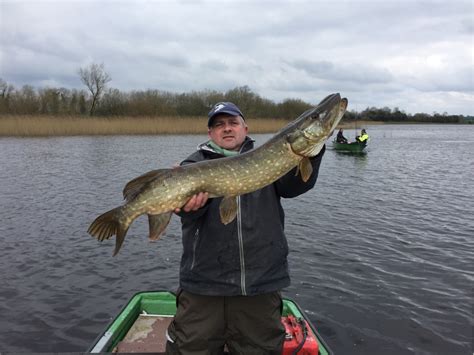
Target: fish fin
(135, 186)
(158, 224)
(228, 209)
(107, 225)
(121, 233)
(306, 169)
(297, 170)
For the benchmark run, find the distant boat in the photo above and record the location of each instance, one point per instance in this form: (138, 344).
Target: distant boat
(141, 327)
(353, 147)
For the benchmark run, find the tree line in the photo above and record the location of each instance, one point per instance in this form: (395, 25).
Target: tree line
(99, 100)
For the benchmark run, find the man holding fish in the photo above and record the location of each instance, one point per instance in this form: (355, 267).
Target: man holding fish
(232, 274)
(234, 263)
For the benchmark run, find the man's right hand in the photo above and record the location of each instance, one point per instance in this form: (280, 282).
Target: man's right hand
(194, 203)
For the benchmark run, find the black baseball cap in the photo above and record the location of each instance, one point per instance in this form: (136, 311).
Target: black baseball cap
(228, 108)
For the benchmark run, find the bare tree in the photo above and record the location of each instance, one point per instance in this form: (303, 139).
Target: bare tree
(95, 78)
(5, 92)
(5, 89)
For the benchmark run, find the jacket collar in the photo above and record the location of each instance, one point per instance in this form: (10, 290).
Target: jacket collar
(246, 146)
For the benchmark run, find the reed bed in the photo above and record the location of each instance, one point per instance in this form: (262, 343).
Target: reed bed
(43, 126)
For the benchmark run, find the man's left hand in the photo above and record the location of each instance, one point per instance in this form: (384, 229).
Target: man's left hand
(194, 203)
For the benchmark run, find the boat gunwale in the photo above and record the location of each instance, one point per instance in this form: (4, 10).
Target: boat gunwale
(115, 327)
(355, 147)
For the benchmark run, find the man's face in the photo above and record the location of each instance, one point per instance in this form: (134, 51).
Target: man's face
(228, 132)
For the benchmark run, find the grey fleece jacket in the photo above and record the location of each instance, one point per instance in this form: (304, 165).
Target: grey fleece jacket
(249, 255)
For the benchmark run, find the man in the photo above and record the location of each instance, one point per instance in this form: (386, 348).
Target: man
(231, 275)
(340, 137)
(364, 137)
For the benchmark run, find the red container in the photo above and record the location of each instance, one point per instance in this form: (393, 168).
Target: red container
(295, 335)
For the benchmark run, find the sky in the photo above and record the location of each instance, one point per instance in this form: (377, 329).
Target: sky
(417, 56)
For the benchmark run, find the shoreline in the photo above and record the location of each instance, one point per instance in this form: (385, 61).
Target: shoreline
(53, 126)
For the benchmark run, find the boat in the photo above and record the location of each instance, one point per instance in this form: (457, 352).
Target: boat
(141, 327)
(353, 147)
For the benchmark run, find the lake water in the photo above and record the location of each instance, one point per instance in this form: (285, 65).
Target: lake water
(382, 249)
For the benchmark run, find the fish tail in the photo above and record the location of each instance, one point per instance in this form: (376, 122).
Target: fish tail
(108, 224)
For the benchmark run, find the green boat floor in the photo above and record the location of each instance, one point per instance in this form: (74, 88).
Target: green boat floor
(148, 334)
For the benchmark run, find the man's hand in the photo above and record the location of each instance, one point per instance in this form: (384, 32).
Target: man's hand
(194, 203)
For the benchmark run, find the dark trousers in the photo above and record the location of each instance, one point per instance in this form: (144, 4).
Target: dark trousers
(245, 324)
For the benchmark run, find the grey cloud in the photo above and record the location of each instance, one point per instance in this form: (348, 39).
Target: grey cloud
(214, 65)
(349, 73)
(177, 61)
(454, 80)
(467, 26)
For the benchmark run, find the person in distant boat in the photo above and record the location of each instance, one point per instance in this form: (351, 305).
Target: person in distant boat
(363, 138)
(231, 276)
(340, 136)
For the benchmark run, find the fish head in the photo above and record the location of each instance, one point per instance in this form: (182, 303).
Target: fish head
(308, 133)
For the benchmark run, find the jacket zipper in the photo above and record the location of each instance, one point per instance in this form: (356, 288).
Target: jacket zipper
(239, 234)
(241, 248)
(195, 242)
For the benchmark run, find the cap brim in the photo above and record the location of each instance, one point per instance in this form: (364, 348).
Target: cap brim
(223, 112)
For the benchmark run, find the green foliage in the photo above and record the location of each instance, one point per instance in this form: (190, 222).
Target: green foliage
(156, 103)
(291, 108)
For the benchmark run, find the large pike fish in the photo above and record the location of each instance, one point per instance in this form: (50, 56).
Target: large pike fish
(159, 192)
